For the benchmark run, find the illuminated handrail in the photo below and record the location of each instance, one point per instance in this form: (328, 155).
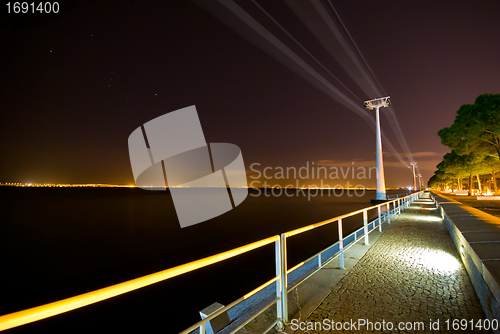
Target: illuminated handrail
(51, 309)
(332, 220)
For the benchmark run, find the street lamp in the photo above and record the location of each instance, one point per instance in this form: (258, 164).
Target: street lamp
(414, 164)
(419, 181)
(370, 105)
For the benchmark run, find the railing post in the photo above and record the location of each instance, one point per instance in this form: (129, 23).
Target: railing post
(399, 206)
(379, 219)
(388, 213)
(319, 260)
(341, 244)
(365, 223)
(278, 256)
(284, 280)
(202, 328)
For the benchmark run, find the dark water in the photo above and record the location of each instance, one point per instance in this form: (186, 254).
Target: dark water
(59, 242)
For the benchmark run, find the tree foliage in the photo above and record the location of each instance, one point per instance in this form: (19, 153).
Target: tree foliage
(474, 141)
(476, 128)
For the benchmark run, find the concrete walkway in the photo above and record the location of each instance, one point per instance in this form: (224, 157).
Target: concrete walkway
(411, 277)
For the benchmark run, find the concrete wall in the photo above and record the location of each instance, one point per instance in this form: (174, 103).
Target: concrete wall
(476, 235)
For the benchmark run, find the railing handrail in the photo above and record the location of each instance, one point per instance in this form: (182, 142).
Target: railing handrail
(332, 220)
(51, 309)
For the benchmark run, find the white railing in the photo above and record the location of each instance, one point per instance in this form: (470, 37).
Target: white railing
(389, 197)
(280, 279)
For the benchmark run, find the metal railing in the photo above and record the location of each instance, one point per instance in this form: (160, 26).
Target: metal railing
(280, 279)
(389, 197)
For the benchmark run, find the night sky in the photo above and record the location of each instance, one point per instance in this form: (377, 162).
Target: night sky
(75, 85)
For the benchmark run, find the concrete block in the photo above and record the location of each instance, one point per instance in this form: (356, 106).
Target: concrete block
(462, 192)
(491, 274)
(482, 236)
(488, 198)
(217, 323)
(486, 250)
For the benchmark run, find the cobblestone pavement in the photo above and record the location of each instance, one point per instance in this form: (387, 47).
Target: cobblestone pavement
(410, 277)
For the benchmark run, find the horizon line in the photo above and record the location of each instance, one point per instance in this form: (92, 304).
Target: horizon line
(107, 185)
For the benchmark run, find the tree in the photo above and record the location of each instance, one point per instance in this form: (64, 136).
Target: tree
(473, 167)
(453, 164)
(492, 166)
(439, 180)
(475, 136)
(434, 181)
(476, 128)
(485, 128)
